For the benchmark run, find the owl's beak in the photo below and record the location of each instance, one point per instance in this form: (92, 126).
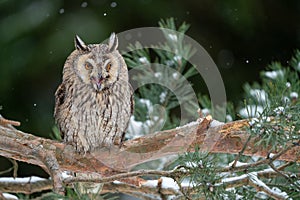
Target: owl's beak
(98, 86)
(97, 82)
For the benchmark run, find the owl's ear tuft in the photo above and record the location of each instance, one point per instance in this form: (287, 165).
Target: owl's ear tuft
(79, 44)
(113, 42)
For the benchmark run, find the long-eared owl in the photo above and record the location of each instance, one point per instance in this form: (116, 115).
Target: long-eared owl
(93, 104)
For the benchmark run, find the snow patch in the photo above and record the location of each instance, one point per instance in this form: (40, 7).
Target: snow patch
(187, 125)
(251, 111)
(294, 95)
(148, 104)
(169, 62)
(205, 111)
(253, 177)
(193, 164)
(274, 74)
(143, 60)
(135, 128)
(9, 196)
(155, 118)
(232, 179)
(150, 183)
(173, 37)
(228, 118)
(215, 123)
(271, 155)
(285, 99)
(22, 180)
(157, 74)
(188, 183)
(66, 174)
(238, 164)
(162, 97)
(169, 183)
(253, 121)
(177, 58)
(139, 128)
(117, 182)
(279, 110)
(260, 95)
(269, 170)
(166, 182)
(175, 75)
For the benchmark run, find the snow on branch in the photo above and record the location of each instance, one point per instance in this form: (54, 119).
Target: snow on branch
(26, 185)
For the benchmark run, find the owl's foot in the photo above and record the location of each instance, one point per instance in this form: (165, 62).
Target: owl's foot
(119, 140)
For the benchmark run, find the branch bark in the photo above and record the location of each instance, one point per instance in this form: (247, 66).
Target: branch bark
(55, 157)
(225, 138)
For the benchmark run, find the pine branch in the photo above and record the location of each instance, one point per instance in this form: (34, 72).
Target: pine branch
(261, 186)
(130, 186)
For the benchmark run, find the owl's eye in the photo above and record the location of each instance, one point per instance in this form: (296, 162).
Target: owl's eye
(108, 66)
(88, 66)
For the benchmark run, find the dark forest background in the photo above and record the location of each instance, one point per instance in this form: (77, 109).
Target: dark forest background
(36, 36)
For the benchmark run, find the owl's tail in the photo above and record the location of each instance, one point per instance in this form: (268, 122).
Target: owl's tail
(92, 190)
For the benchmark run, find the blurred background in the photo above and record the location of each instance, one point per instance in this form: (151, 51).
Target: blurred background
(36, 36)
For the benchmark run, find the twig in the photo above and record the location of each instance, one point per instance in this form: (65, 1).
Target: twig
(55, 172)
(284, 176)
(261, 186)
(6, 122)
(260, 162)
(121, 176)
(15, 167)
(144, 189)
(241, 152)
(6, 171)
(282, 167)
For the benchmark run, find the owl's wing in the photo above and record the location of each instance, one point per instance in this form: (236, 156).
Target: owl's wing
(131, 100)
(59, 99)
(130, 114)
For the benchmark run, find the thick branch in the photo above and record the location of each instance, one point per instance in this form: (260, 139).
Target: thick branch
(113, 163)
(226, 138)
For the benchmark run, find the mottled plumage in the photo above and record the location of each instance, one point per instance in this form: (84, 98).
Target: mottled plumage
(94, 101)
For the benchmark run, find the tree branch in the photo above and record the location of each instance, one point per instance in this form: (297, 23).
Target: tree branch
(209, 135)
(30, 185)
(226, 138)
(25, 185)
